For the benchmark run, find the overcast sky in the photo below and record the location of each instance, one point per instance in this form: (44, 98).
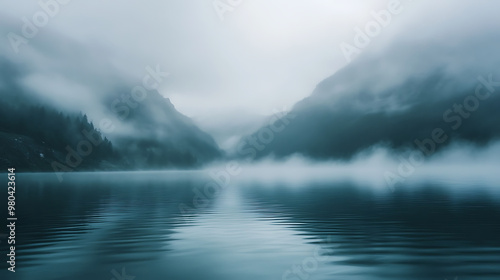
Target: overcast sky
(264, 55)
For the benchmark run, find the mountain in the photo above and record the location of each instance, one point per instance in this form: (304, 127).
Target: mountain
(38, 136)
(402, 97)
(161, 136)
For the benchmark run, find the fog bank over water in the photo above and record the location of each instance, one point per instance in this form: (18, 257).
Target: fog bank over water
(380, 167)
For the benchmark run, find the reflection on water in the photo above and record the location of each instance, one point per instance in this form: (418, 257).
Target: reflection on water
(115, 226)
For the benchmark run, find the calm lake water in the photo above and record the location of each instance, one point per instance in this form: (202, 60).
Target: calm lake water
(144, 226)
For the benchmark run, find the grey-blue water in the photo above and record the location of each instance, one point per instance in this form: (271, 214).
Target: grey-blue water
(144, 226)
